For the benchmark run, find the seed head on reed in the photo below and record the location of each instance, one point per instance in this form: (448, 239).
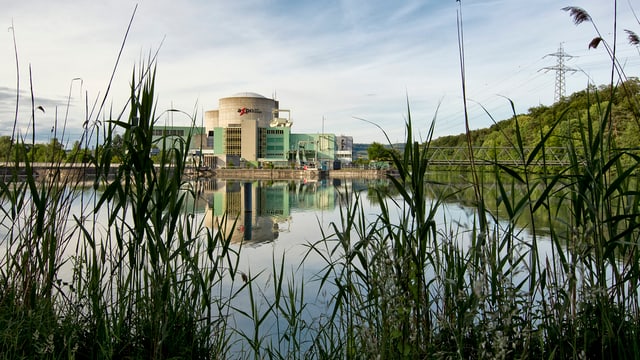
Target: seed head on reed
(633, 37)
(578, 14)
(595, 42)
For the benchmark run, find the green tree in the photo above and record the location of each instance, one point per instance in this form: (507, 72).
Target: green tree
(51, 152)
(10, 150)
(360, 161)
(78, 154)
(379, 152)
(5, 148)
(117, 148)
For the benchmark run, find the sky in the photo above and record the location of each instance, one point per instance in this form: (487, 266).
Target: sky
(331, 63)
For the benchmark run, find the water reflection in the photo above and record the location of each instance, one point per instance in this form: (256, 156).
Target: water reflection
(258, 211)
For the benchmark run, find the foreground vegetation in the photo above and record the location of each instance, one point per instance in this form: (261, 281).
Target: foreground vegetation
(151, 281)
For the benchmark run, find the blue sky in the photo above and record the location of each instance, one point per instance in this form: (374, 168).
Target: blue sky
(329, 62)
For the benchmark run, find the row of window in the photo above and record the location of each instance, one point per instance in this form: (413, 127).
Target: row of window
(276, 132)
(164, 132)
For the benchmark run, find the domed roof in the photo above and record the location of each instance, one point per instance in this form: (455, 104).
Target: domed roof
(248, 95)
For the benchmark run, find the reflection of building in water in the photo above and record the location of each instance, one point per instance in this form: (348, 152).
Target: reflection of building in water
(238, 209)
(274, 201)
(316, 195)
(261, 210)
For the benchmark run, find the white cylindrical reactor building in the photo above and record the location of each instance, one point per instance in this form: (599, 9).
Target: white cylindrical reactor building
(235, 128)
(235, 109)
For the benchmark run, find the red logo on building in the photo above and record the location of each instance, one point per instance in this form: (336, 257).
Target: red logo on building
(244, 110)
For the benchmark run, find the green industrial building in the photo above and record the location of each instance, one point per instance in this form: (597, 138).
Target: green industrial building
(250, 130)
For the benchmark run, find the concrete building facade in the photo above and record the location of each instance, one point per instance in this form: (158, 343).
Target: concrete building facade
(249, 129)
(241, 130)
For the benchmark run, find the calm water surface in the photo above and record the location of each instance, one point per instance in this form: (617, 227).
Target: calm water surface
(285, 216)
(277, 221)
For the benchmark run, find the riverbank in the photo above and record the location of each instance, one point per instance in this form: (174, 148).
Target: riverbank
(274, 174)
(80, 171)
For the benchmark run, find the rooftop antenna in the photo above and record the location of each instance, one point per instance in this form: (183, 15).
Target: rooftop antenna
(561, 69)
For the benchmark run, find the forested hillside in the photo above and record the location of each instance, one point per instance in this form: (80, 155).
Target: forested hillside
(569, 114)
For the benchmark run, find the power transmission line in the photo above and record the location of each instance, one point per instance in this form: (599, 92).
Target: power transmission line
(561, 69)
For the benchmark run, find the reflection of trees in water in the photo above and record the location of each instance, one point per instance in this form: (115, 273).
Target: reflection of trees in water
(456, 188)
(380, 187)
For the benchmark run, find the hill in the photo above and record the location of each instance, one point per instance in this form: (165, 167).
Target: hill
(570, 114)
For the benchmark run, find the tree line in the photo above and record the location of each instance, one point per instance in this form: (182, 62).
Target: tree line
(54, 151)
(586, 104)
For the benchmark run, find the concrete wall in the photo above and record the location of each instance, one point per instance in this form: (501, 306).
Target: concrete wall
(267, 174)
(211, 119)
(249, 140)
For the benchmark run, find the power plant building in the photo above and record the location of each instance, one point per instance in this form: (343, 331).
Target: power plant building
(250, 129)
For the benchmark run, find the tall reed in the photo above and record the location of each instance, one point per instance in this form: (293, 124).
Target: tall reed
(148, 287)
(145, 278)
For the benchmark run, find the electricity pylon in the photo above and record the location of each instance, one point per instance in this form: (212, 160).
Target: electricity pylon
(561, 69)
